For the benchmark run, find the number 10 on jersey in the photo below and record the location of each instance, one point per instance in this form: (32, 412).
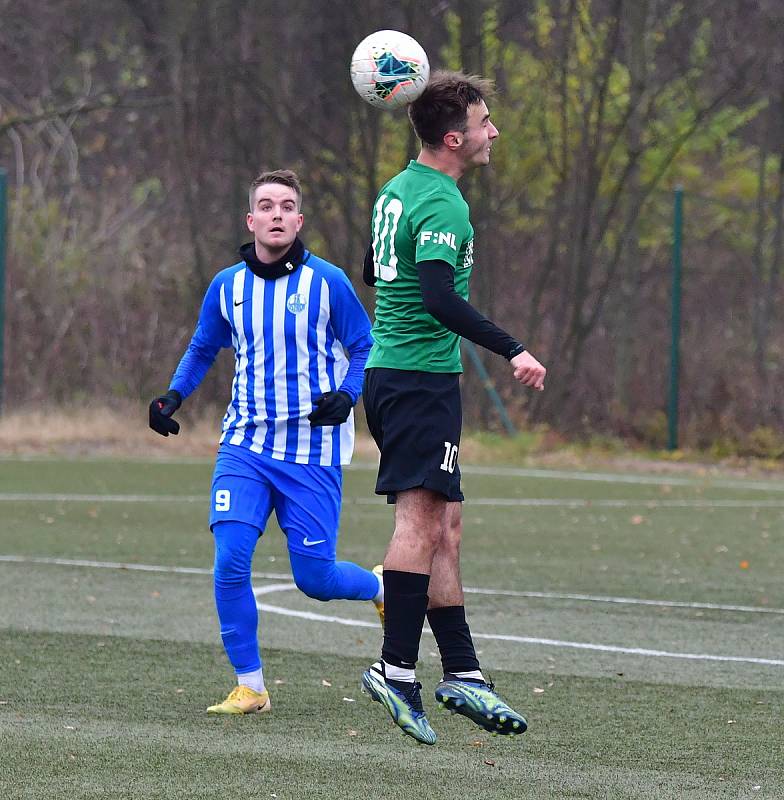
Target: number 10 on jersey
(386, 216)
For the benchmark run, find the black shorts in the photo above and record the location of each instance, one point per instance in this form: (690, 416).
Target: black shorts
(416, 419)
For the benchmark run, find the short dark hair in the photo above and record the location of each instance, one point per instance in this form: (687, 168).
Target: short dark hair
(443, 106)
(285, 177)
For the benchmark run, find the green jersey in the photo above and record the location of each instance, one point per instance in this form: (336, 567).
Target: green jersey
(419, 215)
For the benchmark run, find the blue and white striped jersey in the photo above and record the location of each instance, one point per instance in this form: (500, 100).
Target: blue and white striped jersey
(294, 338)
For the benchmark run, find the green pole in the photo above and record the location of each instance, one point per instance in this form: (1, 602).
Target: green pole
(488, 384)
(3, 206)
(675, 342)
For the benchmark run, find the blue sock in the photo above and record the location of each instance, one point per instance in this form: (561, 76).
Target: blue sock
(234, 599)
(332, 580)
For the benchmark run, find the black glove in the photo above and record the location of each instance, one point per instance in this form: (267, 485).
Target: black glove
(331, 408)
(161, 410)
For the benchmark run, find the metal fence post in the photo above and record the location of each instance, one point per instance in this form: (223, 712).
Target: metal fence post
(675, 350)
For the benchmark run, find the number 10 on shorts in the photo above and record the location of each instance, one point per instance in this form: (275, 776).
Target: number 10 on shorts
(450, 457)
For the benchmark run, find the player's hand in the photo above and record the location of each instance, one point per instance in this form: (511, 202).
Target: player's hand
(528, 370)
(331, 408)
(161, 410)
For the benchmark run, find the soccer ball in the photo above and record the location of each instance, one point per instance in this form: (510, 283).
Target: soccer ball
(389, 69)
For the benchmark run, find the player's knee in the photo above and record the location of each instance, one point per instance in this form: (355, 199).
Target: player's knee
(315, 578)
(234, 545)
(231, 569)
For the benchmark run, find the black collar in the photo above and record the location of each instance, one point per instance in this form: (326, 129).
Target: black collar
(289, 262)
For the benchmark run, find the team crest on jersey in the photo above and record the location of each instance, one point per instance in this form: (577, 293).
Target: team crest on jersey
(296, 302)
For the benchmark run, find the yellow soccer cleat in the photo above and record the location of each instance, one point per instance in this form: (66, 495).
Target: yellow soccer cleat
(242, 700)
(378, 570)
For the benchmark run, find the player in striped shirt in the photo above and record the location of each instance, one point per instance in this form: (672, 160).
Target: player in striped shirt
(301, 339)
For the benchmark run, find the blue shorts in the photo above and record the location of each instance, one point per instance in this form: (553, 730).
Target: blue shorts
(248, 486)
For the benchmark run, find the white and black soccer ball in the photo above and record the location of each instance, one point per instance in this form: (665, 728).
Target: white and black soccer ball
(389, 69)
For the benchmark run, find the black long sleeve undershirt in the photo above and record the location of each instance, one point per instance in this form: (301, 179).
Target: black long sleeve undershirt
(368, 268)
(437, 282)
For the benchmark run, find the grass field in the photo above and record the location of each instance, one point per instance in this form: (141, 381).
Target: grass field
(637, 621)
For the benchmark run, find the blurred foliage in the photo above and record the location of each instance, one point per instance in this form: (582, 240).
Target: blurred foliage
(131, 139)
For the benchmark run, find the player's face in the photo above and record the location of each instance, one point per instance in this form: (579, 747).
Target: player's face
(478, 136)
(275, 220)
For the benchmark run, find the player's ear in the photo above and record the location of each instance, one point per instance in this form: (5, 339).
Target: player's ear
(249, 222)
(453, 139)
(300, 222)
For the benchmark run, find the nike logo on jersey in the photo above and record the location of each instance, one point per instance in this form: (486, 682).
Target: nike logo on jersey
(308, 543)
(438, 237)
(236, 303)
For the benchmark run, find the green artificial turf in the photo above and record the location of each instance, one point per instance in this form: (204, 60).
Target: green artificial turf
(105, 672)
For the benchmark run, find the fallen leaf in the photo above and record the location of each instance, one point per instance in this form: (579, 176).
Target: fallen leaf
(279, 682)
(155, 594)
(353, 733)
(477, 743)
(537, 690)
(489, 762)
(325, 683)
(730, 722)
(70, 728)
(349, 700)
(637, 519)
(179, 691)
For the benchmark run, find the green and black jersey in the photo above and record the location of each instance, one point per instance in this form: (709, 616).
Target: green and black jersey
(420, 215)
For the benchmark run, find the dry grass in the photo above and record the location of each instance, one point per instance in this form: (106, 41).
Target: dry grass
(123, 432)
(118, 432)
(103, 431)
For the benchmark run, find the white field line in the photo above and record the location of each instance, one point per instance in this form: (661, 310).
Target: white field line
(773, 485)
(588, 598)
(45, 497)
(611, 477)
(81, 562)
(565, 502)
(309, 615)
(630, 601)
(535, 502)
(602, 648)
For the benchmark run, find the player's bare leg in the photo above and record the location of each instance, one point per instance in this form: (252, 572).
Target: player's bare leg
(419, 525)
(464, 689)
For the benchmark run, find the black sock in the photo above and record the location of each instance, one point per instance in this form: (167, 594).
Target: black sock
(405, 605)
(453, 637)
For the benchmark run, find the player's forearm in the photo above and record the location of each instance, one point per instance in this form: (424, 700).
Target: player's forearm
(436, 279)
(193, 366)
(358, 356)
